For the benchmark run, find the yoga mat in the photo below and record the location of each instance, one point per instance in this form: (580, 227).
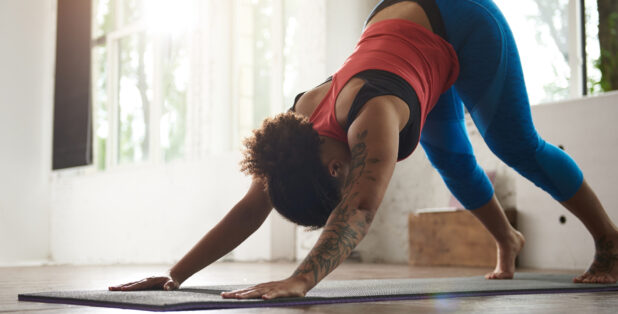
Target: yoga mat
(327, 292)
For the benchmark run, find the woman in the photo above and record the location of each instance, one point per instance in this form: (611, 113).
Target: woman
(328, 161)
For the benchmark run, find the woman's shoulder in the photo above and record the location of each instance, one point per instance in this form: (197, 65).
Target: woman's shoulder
(309, 101)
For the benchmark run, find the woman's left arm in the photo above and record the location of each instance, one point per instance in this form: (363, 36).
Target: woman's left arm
(373, 140)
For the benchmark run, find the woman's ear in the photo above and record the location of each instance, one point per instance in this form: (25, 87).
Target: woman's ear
(335, 168)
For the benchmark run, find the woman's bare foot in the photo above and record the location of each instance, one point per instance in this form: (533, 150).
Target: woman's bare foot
(604, 268)
(507, 252)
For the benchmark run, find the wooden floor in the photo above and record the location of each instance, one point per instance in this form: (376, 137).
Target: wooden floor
(14, 280)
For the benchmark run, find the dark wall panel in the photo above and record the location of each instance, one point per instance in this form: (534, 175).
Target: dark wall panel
(72, 144)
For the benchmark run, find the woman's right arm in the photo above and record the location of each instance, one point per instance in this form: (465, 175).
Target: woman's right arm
(242, 221)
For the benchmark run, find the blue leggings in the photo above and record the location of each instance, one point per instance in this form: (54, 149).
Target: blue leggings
(491, 85)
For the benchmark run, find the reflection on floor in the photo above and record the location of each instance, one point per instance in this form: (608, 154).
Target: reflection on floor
(14, 280)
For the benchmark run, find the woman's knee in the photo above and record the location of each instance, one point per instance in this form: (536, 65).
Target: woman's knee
(546, 165)
(450, 163)
(564, 176)
(515, 149)
(462, 175)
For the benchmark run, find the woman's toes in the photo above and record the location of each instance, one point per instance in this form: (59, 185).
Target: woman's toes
(605, 278)
(503, 276)
(597, 279)
(590, 278)
(499, 275)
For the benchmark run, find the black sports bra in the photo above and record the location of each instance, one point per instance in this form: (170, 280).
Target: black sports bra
(382, 83)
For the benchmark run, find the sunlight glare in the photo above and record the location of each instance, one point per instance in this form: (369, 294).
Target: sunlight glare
(169, 16)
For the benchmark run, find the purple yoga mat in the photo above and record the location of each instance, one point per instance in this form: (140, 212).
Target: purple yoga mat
(327, 292)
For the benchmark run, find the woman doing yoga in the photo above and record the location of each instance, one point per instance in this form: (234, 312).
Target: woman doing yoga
(328, 161)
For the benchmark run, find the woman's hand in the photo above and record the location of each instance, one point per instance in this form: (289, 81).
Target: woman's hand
(150, 283)
(291, 287)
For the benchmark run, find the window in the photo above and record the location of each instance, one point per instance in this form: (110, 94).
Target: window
(553, 59)
(141, 71)
(265, 60)
(544, 56)
(593, 50)
(180, 79)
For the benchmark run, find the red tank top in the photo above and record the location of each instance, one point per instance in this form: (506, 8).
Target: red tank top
(423, 59)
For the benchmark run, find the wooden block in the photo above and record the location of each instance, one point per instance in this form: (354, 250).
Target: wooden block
(452, 238)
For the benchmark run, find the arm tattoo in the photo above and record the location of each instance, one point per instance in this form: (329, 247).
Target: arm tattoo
(346, 225)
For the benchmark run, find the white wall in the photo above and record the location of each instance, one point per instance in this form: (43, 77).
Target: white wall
(26, 91)
(146, 214)
(344, 24)
(588, 131)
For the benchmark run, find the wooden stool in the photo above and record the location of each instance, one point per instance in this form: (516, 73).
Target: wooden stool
(451, 237)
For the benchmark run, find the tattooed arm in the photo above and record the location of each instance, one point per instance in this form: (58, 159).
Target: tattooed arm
(373, 140)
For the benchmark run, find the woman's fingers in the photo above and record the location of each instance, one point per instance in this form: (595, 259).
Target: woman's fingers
(140, 285)
(243, 290)
(234, 293)
(278, 293)
(171, 285)
(251, 294)
(247, 293)
(144, 284)
(281, 293)
(119, 287)
(260, 292)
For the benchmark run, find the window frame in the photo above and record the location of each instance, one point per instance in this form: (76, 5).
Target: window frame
(111, 42)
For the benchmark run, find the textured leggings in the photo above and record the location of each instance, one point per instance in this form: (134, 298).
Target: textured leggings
(491, 86)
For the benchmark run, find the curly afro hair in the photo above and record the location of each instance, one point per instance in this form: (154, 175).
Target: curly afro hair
(285, 152)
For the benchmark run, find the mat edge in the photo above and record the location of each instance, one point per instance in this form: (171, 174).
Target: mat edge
(306, 301)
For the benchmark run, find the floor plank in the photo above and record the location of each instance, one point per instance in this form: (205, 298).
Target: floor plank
(16, 280)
